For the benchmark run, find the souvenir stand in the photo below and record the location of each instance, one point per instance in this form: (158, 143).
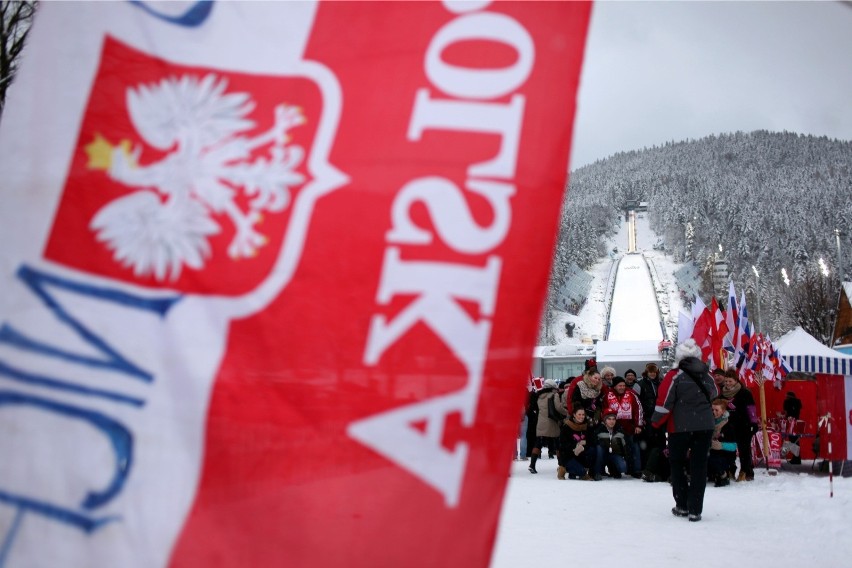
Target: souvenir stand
(822, 378)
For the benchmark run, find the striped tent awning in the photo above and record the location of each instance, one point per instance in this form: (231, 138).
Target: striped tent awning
(815, 364)
(805, 354)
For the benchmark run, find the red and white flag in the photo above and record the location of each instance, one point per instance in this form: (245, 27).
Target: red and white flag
(719, 330)
(271, 277)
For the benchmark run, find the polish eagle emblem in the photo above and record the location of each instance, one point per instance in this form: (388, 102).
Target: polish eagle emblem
(213, 171)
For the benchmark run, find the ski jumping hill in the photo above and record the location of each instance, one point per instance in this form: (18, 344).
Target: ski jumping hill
(632, 307)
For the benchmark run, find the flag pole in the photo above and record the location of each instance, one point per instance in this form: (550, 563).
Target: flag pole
(766, 448)
(761, 379)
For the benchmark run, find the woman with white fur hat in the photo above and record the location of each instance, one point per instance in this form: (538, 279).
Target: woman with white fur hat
(684, 402)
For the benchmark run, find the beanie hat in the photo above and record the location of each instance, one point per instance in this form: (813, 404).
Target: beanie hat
(609, 412)
(630, 372)
(550, 383)
(618, 381)
(688, 348)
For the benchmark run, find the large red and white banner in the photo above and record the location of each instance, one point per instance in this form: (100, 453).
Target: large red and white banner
(272, 275)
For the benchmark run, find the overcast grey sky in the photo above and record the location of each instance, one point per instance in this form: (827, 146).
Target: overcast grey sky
(662, 71)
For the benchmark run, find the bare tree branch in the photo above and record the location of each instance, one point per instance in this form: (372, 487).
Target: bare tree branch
(15, 19)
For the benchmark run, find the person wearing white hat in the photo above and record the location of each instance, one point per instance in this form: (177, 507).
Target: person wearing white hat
(683, 405)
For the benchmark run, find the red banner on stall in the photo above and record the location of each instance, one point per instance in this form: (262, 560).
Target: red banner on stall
(329, 262)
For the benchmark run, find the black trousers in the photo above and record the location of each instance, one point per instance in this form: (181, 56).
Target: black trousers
(744, 451)
(689, 450)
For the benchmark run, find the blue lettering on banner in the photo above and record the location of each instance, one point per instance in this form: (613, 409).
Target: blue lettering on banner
(45, 286)
(122, 444)
(38, 282)
(192, 17)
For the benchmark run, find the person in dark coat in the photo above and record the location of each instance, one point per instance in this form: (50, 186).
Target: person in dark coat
(723, 448)
(792, 405)
(683, 405)
(576, 446)
(630, 379)
(532, 421)
(793, 409)
(610, 446)
(744, 418)
(651, 441)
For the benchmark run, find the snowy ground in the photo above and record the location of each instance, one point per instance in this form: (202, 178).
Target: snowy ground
(774, 521)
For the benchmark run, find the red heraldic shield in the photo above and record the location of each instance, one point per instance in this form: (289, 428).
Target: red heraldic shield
(132, 212)
(365, 418)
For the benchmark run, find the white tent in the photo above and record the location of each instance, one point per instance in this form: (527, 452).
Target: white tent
(804, 353)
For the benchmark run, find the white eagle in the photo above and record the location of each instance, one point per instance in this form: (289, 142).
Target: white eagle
(166, 222)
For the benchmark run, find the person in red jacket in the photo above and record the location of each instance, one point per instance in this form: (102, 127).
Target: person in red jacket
(628, 409)
(587, 391)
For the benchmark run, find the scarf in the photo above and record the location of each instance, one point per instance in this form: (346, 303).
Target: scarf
(729, 393)
(587, 390)
(574, 426)
(720, 423)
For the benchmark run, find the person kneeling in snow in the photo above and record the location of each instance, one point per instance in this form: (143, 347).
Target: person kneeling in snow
(576, 446)
(610, 447)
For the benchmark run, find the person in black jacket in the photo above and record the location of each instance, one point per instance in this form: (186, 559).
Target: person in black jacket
(683, 405)
(792, 405)
(532, 421)
(744, 418)
(651, 442)
(723, 448)
(610, 446)
(576, 446)
(793, 409)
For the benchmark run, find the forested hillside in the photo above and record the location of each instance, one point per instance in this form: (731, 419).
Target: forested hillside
(771, 200)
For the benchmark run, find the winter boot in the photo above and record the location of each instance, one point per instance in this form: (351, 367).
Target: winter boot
(560, 472)
(741, 476)
(535, 453)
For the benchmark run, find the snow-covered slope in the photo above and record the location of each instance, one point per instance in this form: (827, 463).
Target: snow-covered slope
(634, 315)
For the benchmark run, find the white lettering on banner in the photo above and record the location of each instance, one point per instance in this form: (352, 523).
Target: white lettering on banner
(469, 116)
(439, 287)
(448, 210)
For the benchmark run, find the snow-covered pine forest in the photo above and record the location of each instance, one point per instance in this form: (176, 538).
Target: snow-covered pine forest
(771, 200)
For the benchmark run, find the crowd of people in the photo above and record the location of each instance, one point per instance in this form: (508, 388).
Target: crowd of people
(687, 427)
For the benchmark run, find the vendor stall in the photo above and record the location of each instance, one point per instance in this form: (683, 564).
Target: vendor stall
(822, 379)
